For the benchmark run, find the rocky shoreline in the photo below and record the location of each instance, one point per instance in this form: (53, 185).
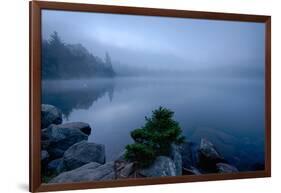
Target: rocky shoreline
(67, 156)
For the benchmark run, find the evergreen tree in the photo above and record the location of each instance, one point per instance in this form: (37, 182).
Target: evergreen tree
(55, 40)
(108, 60)
(72, 61)
(154, 138)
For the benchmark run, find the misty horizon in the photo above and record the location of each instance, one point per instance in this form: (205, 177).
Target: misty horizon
(164, 45)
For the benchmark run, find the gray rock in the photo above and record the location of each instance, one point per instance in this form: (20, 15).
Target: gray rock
(208, 150)
(110, 176)
(55, 166)
(127, 170)
(123, 168)
(191, 171)
(89, 172)
(44, 156)
(225, 143)
(177, 159)
(208, 156)
(56, 152)
(84, 127)
(226, 168)
(83, 153)
(44, 134)
(60, 138)
(45, 144)
(187, 155)
(50, 115)
(162, 166)
(44, 160)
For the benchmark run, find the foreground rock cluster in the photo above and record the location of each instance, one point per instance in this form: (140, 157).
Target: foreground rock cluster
(67, 156)
(64, 147)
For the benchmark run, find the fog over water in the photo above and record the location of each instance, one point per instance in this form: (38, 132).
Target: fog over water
(201, 47)
(210, 73)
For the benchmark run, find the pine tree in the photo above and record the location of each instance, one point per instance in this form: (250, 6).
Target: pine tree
(55, 40)
(108, 60)
(71, 61)
(154, 138)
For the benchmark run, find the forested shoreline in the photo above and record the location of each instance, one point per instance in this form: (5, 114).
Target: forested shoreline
(72, 61)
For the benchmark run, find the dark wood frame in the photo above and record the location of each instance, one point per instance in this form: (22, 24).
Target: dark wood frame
(35, 93)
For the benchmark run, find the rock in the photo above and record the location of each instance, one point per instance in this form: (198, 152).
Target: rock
(162, 166)
(56, 152)
(226, 168)
(191, 171)
(59, 138)
(110, 176)
(225, 143)
(44, 160)
(187, 155)
(84, 127)
(89, 172)
(127, 170)
(44, 134)
(208, 156)
(55, 166)
(83, 153)
(177, 159)
(208, 150)
(45, 144)
(122, 167)
(44, 156)
(50, 115)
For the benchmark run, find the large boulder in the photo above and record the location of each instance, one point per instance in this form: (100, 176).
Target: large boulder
(162, 166)
(127, 170)
(187, 155)
(58, 138)
(124, 169)
(84, 127)
(44, 144)
(208, 150)
(208, 156)
(83, 153)
(44, 160)
(44, 156)
(110, 176)
(177, 158)
(89, 172)
(55, 166)
(50, 115)
(226, 168)
(191, 171)
(239, 151)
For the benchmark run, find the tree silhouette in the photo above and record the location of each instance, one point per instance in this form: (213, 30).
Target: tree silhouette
(71, 61)
(107, 59)
(154, 138)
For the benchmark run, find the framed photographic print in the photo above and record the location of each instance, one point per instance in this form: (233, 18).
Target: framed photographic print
(123, 96)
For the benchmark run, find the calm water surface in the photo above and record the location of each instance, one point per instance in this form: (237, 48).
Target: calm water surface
(229, 112)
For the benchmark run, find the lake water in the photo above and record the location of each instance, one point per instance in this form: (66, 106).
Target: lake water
(229, 112)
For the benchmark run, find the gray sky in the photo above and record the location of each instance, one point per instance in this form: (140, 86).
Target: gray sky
(162, 42)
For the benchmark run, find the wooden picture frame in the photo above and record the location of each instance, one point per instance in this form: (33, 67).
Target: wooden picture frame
(35, 93)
